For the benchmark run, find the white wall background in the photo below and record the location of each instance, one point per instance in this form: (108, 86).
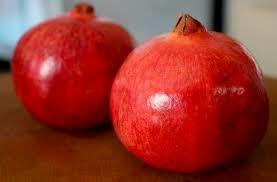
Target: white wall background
(254, 23)
(17, 16)
(146, 18)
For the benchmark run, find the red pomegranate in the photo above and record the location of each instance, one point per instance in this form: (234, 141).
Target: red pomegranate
(189, 100)
(63, 68)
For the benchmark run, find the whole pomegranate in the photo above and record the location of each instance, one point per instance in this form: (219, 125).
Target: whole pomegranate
(63, 68)
(189, 100)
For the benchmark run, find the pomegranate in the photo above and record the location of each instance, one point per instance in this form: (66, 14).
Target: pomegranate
(64, 67)
(190, 100)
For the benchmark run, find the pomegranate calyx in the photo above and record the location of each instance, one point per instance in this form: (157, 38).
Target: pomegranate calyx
(83, 11)
(187, 25)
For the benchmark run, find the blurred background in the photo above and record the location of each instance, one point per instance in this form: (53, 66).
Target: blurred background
(253, 22)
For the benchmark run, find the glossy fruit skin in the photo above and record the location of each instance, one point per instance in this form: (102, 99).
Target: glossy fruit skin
(63, 70)
(190, 103)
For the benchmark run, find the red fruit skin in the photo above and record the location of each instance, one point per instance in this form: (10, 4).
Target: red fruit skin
(63, 70)
(190, 103)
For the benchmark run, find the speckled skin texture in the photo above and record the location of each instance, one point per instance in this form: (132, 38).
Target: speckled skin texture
(190, 103)
(63, 70)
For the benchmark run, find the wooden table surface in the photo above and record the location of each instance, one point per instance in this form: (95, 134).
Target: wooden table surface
(32, 152)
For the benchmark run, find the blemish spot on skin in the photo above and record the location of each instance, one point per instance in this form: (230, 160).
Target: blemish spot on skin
(237, 90)
(162, 101)
(221, 91)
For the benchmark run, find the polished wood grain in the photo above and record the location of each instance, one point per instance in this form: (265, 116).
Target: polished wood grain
(32, 152)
